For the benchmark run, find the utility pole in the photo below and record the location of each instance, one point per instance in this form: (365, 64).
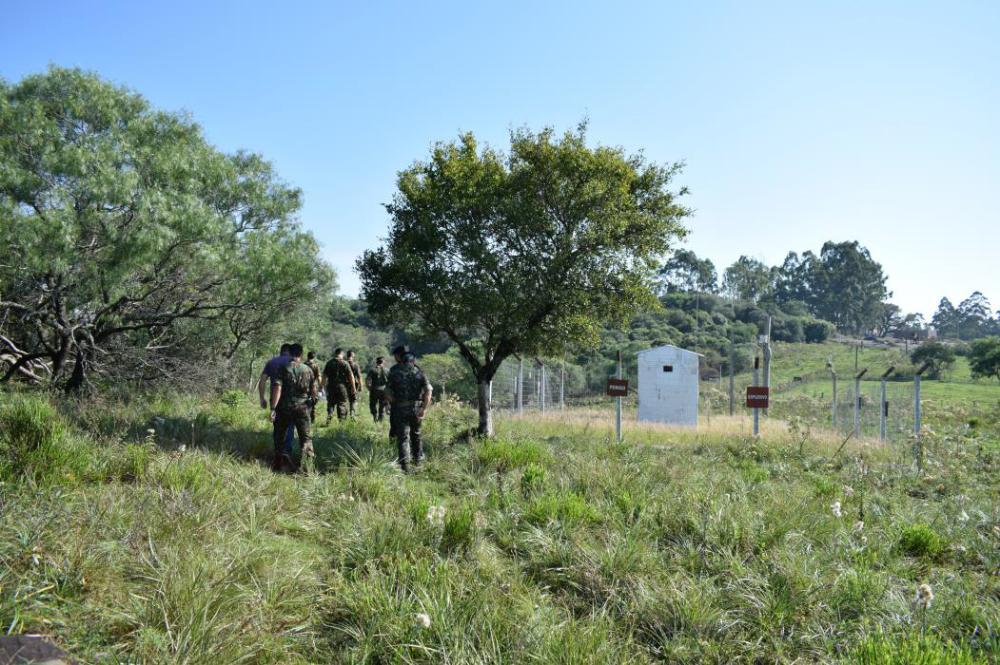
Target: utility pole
(883, 405)
(857, 402)
(618, 404)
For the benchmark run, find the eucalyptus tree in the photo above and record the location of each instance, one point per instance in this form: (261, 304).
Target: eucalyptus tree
(122, 227)
(527, 252)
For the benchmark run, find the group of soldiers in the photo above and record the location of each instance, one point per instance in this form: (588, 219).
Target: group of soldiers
(297, 385)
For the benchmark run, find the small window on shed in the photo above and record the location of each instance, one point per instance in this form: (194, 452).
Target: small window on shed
(668, 368)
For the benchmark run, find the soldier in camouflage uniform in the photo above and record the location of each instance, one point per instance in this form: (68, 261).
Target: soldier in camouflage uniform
(318, 375)
(356, 370)
(294, 387)
(376, 381)
(409, 394)
(340, 386)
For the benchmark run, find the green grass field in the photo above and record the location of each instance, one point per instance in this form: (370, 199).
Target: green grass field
(549, 544)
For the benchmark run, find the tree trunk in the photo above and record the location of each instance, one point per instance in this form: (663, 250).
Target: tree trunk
(485, 408)
(78, 380)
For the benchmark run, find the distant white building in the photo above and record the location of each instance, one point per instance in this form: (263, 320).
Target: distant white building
(668, 386)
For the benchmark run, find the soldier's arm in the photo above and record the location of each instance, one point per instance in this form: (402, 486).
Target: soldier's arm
(275, 397)
(260, 390)
(350, 378)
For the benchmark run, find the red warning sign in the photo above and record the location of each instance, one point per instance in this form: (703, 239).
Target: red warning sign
(757, 397)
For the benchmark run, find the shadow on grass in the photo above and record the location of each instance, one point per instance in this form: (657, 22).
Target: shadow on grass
(347, 443)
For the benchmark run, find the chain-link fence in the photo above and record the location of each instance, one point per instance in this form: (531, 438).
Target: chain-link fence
(530, 386)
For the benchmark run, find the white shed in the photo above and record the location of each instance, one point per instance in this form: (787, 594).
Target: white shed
(668, 386)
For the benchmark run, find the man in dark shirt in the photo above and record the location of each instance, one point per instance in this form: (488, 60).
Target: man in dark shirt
(359, 386)
(409, 394)
(376, 381)
(272, 369)
(340, 387)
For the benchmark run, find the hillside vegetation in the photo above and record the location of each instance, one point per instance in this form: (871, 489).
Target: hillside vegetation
(153, 532)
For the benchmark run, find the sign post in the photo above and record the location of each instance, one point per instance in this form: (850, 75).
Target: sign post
(756, 381)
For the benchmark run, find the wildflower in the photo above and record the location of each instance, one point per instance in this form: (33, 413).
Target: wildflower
(848, 491)
(964, 517)
(423, 620)
(435, 515)
(859, 526)
(181, 448)
(835, 507)
(151, 431)
(924, 596)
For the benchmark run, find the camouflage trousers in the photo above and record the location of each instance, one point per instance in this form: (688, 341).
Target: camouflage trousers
(283, 419)
(337, 397)
(378, 404)
(404, 426)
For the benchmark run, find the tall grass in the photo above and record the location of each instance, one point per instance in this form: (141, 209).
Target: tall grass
(153, 532)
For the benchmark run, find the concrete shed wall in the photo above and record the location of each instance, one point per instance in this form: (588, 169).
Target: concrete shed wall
(669, 397)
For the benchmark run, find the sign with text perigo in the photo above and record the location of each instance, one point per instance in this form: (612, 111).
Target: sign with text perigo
(617, 388)
(757, 397)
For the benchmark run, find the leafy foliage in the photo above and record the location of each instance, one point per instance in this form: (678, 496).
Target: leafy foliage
(130, 238)
(984, 357)
(522, 253)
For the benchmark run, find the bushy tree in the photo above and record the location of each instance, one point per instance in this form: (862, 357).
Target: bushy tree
(526, 252)
(747, 279)
(684, 271)
(984, 357)
(937, 356)
(127, 235)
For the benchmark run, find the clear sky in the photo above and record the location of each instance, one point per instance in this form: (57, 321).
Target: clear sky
(799, 121)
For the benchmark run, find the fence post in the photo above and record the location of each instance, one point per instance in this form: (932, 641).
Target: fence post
(883, 406)
(541, 381)
(857, 403)
(520, 386)
(756, 411)
(562, 386)
(918, 446)
(767, 358)
(833, 375)
(731, 379)
(618, 404)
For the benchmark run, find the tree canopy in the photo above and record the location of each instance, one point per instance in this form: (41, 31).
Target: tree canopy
(121, 223)
(525, 252)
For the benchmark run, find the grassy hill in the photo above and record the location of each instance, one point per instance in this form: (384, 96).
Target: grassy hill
(152, 532)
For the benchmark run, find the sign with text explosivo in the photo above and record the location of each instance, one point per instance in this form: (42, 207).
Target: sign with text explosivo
(757, 397)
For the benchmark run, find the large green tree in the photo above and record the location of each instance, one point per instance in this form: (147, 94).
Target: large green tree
(126, 233)
(525, 252)
(984, 357)
(748, 279)
(684, 271)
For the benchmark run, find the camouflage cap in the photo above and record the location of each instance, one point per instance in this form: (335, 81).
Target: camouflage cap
(400, 350)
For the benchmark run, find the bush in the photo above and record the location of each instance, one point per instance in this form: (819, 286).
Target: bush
(913, 649)
(817, 331)
(921, 540)
(33, 441)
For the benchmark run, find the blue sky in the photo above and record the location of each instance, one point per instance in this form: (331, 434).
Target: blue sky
(798, 121)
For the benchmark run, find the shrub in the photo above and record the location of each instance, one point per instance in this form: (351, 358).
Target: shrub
(504, 454)
(34, 442)
(566, 507)
(817, 331)
(913, 649)
(920, 540)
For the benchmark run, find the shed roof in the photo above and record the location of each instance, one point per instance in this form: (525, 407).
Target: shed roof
(671, 346)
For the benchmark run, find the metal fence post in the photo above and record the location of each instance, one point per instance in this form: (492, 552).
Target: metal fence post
(857, 403)
(883, 405)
